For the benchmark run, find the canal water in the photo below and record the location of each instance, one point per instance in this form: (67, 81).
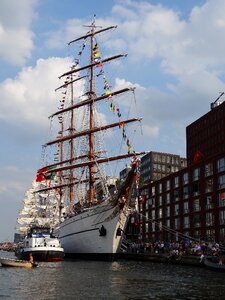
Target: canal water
(125, 280)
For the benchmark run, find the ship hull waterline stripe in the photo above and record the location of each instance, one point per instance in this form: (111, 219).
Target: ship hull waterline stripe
(75, 233)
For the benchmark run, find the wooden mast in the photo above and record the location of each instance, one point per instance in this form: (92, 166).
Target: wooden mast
(91, 124)
(71, 130)
(91, 154)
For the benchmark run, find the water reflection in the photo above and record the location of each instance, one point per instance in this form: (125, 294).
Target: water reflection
(125, 280)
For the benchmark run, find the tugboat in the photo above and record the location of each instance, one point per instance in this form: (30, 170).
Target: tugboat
(41, 244)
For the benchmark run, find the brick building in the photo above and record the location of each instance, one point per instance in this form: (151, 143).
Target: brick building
(190, 202)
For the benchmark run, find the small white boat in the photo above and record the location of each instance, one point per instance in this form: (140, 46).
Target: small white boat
(8, 262)
(41, 244)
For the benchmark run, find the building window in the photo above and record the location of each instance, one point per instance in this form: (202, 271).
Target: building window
(209, 219)
(196, 221)
(195, 188)
(153, 226)
(186, 222)
(210, 234)
(153, 214)
(146, 215)
(160, 200)
(209, 202)
(222, 199)
(222, 217)
(186, 207)
(196, 205)
(176, 182)
(176, 195)
(160, 188)
(221, 164)
(176, 209)
(168, 198)
(146, 227)
(160, 213)
(222, 233)
(167, 185)
(153, 190)
(209, 185)
(208, 169)
(196, 174)
(197, 234)
(176, 223)
(151, 202)
(221, 182)
(185, 178)
(167, 211)
(185, 192)
(168, 223)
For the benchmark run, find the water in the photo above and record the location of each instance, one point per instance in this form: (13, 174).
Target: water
(110, 280)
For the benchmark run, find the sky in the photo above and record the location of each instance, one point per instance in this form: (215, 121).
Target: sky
(175, 59)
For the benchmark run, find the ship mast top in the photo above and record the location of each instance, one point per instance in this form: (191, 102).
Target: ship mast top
(90, 155)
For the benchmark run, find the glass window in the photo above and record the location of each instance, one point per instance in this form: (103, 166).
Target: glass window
(185, 178)
(176, 209)
(196, 174)
(186, 207)
(195, 188)
(168, 222)
(209, 185)
(160, 213)
(176, 181)
(176, 195)
(146, 227)
(196, 220)
(196, 205)
(176, 223)
(222, 233)
(210, 234)
(160, 188)
(168, 198)
(222, 217)
(221, 199)
(167, 185)
(151, 202)
(153, 226)
(208, 169)
(160, 200)
(197, 234)
(153, 214)
(221, 164)
(167, 211)
(209, 202)
(221, 182)
(153, 190)
(186, 222)
(185, 192)
(209, 219)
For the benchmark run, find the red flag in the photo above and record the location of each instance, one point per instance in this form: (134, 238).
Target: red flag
(40, 177)
(197, 156)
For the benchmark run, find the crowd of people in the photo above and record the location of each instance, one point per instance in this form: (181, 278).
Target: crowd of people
(175, 248)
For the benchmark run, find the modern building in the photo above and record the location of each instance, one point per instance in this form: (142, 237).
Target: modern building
(190, 202)
(156, 165)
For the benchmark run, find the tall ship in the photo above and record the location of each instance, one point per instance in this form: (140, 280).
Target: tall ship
(35, 223)
(94, 205)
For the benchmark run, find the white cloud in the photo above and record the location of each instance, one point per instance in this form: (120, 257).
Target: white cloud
(29, 99)
(16, 37)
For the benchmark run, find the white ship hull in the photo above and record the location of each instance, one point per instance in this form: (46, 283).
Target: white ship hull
(81, 235)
